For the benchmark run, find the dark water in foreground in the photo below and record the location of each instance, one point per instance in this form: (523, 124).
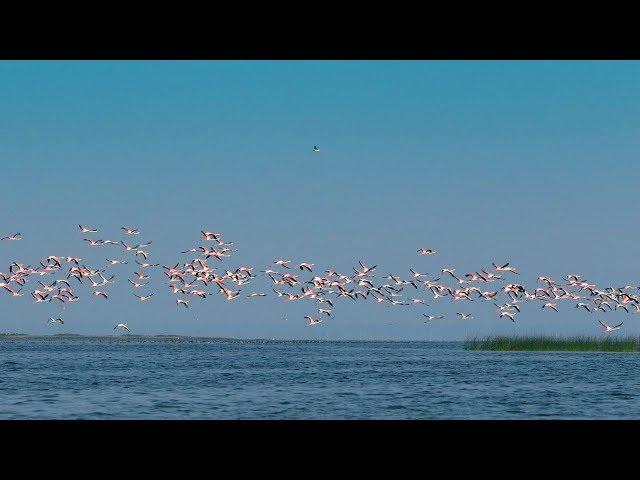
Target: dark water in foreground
(188, 378)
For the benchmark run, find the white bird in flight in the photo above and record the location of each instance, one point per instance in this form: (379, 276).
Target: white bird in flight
(609, 328)
(312, 321)
(509, 315)
(143, 298)
(184, 303)
(117, 262)
(15, 236)
(130, 230)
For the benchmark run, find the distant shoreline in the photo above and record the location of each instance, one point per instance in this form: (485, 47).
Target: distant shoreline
(491, 343)
(207, 338)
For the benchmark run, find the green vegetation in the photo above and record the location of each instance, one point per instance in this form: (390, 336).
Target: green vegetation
(605, 343)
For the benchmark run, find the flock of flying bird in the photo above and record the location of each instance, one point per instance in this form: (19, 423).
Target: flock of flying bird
(196, 278)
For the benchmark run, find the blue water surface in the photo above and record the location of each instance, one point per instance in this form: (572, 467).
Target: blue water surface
(132, 377)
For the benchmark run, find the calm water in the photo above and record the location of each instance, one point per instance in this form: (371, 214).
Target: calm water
(185, 378)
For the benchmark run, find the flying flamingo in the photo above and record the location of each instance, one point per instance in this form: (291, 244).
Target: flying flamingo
(15, 236)
(608, 328)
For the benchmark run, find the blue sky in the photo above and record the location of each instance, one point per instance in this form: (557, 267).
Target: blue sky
(529, 162)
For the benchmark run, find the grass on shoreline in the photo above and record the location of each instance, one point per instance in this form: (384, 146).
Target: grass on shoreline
(554, 344)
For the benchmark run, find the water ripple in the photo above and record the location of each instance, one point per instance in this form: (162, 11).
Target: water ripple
(182, 377)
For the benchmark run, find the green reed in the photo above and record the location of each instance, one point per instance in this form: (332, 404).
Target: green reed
(603, 343)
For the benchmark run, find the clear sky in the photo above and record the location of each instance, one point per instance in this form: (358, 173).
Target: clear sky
(529, 162)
